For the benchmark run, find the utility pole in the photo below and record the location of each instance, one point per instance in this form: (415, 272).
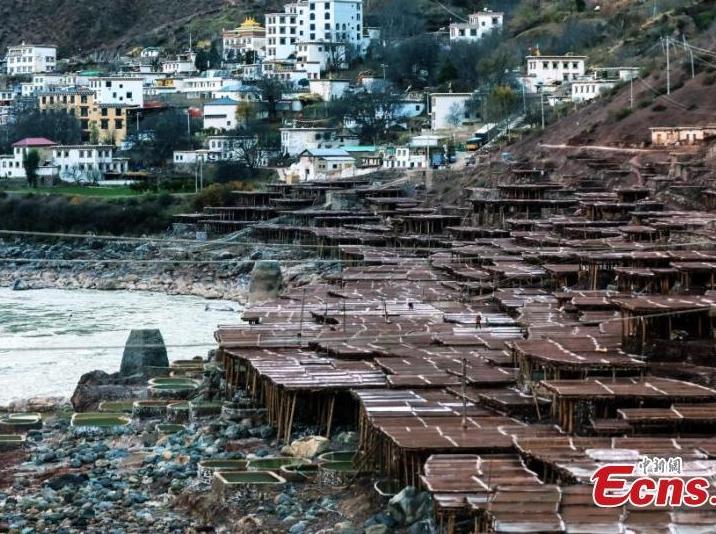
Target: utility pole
(691, 55)
(464, 393)
(541, 105)
(524, 101)
(188, 122)
(631, 92)
(668, 68)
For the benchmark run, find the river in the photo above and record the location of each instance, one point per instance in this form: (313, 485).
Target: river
(50, 337)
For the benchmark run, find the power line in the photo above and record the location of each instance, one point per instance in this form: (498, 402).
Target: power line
(375, 338)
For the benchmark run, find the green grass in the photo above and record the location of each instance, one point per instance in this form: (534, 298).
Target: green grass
(80, 190)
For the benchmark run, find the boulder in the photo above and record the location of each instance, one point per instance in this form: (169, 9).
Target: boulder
(144, 349)
(410, 506)
(266, 281)
(97, 386)
(309, 446)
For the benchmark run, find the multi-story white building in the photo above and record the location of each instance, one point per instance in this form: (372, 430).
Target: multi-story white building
(296, 140)
(198, 87)
(12, 165)
(221, 114)
(406, 158)
(329, 89)
(546, 73)
(30, 59)
(118, 91)
(451, 110)
(478, 25)
(316, 24)
(249, 38)
(282, 32)
(181, 64)
(589, 89)
(86, 163)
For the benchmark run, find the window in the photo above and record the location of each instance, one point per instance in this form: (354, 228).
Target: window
(129, 95)
(104, 112)
(118, 123)
(104, 124)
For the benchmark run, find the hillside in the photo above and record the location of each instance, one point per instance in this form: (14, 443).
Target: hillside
(81, 25)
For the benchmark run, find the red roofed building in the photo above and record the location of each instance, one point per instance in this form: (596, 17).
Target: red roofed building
(34, 142)
(11, 165)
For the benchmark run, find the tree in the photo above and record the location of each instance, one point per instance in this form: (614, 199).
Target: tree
(455, 115)
(245, 111)
(398, 19)
(413, 61)
(202, 60)
(31, 163)
(214, 56)
(170, 133)
(272, 91)
(371, 113)
(501, 103)
(581, 5)
(448, 72)
(55, 125)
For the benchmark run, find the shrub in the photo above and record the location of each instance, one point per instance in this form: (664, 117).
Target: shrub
(622, 114)
(42, 213)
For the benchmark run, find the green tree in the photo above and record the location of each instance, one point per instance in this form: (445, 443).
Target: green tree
(31, 163)
(581, 5)
(448, 72)
(214, 56)
(202, 60)
(501, 102)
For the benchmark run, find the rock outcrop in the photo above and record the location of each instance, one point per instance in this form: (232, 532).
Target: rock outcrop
(266, 281)
(144, 350)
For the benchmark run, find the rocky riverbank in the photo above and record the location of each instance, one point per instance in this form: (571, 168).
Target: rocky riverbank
(173, 267)
(138, 480)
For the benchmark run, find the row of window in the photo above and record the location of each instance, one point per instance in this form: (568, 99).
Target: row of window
(30, 59)
(554, 64)
(83, 154)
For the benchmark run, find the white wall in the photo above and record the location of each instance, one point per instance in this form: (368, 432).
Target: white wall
(122, 91)
(220, 117)
(29, 59)
(296, 140)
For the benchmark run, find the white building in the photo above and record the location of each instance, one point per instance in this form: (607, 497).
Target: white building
(12, 165)
(111, 90)
(86, 163)
(229, 148)
(248, 39)
(310, 22)
(296, 140)
(450, 110)
(589, 89)
(199, 86)
(184, 158)
(181, 64)
(221, 114)
(546, 73)
(478, 25)
(406, 158)
(329, 89)
(30, 59)
(323, 164)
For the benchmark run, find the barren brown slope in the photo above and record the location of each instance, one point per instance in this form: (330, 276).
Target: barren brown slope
(82, 25)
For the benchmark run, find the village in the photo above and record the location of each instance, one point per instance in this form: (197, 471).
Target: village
(458, 308)
(292, 65)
